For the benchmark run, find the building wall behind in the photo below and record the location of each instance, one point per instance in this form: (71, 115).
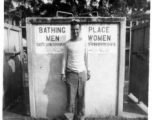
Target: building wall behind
(13, 79)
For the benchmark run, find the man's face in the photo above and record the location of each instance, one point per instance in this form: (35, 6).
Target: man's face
(76, 30)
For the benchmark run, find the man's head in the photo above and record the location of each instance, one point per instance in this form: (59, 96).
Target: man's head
(75, 28)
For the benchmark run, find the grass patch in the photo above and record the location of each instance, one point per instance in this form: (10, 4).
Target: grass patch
(115, 118)
(92, 118)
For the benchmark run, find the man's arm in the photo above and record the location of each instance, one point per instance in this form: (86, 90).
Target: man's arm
(87, 62)
(64, 61)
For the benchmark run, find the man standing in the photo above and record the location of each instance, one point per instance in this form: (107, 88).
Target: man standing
(75, 65)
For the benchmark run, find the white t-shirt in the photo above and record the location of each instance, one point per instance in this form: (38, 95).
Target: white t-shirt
(75, 56)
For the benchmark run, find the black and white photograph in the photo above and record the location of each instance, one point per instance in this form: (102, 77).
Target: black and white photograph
(76, 60)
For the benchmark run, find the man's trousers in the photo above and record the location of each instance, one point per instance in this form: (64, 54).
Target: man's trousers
(75, 83)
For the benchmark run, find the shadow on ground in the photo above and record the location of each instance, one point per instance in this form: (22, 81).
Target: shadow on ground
(131, 107)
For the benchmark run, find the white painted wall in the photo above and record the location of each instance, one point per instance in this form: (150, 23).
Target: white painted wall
(101, 89)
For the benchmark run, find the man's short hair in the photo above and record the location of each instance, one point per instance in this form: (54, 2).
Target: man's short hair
(75, 22)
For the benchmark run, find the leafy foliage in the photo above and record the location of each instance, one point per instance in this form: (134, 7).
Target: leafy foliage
(105, 8)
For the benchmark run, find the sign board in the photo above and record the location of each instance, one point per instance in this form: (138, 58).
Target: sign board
(100, 38)
(51, 38)
(106, 44)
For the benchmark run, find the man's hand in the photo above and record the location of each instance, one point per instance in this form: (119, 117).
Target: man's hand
(63, 78)
(88, 75)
